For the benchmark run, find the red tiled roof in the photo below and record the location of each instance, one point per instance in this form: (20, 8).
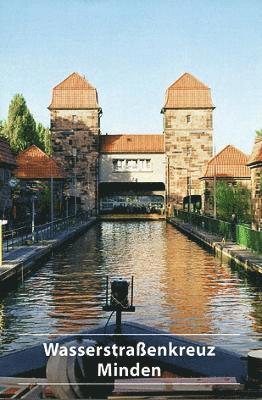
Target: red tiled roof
(33, 163)
(73, 93)
(256, 156)
(188, 92)
(228, 163)
(6, 156)
(132, 144)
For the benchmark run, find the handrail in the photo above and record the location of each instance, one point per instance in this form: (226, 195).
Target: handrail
(24, 235)
(240, 233)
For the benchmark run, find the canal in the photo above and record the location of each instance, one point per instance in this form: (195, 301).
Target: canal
(179, 287)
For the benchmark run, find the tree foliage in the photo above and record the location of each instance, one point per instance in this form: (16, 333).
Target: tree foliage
(259, 133)
(2, 135)
(21, 130)
(44, 138)
(20, 127)
(233, 199)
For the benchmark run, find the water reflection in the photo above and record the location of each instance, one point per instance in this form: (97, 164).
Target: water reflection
(178, 286)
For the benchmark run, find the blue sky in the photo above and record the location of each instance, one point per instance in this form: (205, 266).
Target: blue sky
(132, 51)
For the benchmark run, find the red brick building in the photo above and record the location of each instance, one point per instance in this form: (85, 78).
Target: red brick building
(35, 171)
(228, 165)
(7, 165)
(34, 164)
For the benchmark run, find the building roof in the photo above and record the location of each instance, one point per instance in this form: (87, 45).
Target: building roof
(188, 92)
(34, 163)
(228, 163)
(73, 93)
(256, 156)
(6, 156)
(132, 144)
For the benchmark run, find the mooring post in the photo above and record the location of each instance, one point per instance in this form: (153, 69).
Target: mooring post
(1, 245)
(254, 366)
(107, 283)
(118, 321)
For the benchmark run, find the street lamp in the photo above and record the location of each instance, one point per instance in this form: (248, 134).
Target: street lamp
(52, 198)
(189, 154)
(75, 185)
(34, 197)
(215, 184)
(13, 184)
(168, 182)
(2, 222)
(189, 191)
(34, 190)
(66, 198)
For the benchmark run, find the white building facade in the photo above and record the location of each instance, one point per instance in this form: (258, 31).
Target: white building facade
(132, 174)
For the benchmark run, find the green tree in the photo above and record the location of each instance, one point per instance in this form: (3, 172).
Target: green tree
(44, 138)
(20, 127)
(259, 133)
(233, 199)
(2, 135)
(21, 130)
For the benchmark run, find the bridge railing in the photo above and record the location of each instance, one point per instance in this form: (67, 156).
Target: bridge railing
(24, 235)
(240, 233)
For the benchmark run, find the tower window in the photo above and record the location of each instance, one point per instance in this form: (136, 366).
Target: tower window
(74, 119)
(188, 118)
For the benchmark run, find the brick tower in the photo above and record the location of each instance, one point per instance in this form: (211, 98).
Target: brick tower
(188, 129)
(75, 129)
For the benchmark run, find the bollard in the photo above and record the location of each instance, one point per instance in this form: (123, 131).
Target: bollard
(254, 366)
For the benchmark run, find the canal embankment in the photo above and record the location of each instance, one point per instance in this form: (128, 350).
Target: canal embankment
(21, 259)
(228, 250)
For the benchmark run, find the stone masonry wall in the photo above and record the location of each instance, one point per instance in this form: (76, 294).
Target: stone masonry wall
(78, 129)
(189, 146)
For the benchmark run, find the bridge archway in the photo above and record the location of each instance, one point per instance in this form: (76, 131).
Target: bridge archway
(132, 197)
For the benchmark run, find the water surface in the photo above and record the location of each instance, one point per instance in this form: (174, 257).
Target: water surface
(179, 287)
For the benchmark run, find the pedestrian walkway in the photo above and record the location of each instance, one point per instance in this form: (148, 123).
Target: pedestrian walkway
(22, 259)
(28, 234)
(247, 258)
